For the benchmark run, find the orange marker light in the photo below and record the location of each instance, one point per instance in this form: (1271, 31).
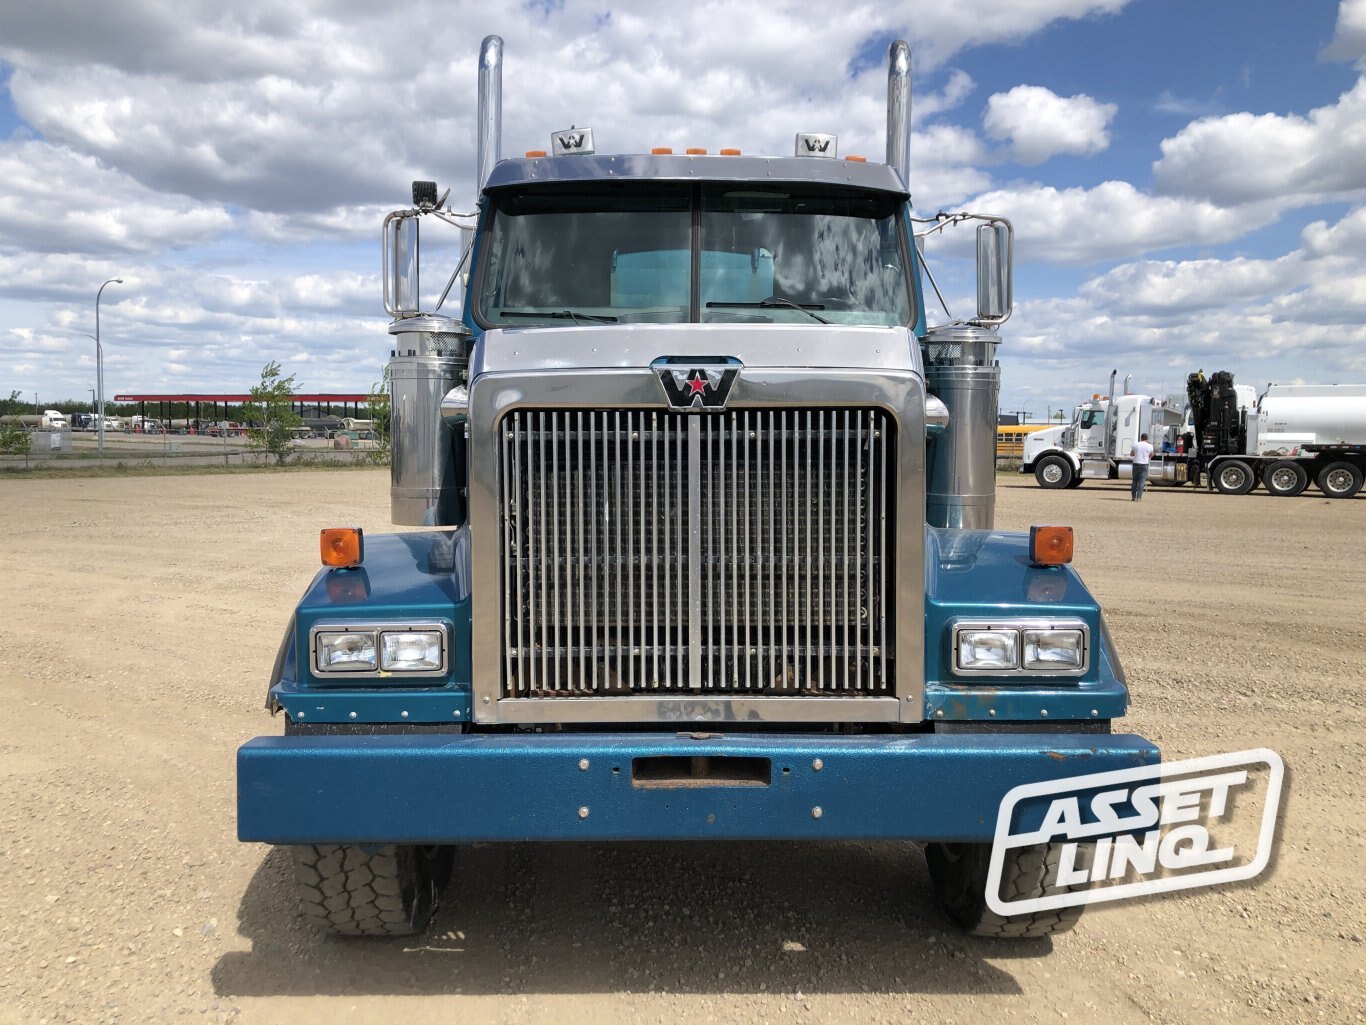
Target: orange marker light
(729, 152)
(662, 151)
(857, 159)
(535, 152)
(342, 546)
(1050, 546)
(695, 151)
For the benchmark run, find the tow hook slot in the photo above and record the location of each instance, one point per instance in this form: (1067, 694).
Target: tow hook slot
(670, 771)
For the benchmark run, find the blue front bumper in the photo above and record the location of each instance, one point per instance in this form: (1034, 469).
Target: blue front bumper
(453, 788)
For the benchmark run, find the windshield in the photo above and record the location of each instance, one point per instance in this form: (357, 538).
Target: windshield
(673, 253)
(1092, 418)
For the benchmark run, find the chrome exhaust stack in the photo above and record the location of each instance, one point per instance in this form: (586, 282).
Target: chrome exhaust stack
(899, 109)
(490, 125)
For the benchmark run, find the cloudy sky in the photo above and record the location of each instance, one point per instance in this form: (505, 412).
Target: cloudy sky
(1187, 179)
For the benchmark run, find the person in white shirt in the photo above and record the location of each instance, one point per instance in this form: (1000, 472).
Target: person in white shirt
(1142, 455)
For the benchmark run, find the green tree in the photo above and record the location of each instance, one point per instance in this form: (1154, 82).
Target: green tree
(377, 409)
(271, 414)
(13, 406)
(15, 440)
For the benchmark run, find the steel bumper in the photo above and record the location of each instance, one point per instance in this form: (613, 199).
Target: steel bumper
(452, 788)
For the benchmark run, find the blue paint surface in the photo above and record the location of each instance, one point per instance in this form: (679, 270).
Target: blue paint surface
(453, 788)
(413, 576)
(980, 574)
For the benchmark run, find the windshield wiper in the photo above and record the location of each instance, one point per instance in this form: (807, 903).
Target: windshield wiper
(598, 318)
(773, 301)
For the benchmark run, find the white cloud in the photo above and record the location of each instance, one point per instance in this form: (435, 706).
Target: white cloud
(1293, 159)
(57, 200)
(1349, 38)
(1111, 221)
(1040, 124)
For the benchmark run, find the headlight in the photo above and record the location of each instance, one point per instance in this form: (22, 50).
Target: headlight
(988, 649)
(1028, 648)
(1054, 650)
(412, 651)
(350, 652)
(379, 649)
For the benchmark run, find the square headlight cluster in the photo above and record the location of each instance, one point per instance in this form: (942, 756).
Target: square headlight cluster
(401, 649)
(1021, 649)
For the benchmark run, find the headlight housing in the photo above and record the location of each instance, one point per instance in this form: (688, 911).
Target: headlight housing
(404, 649)
(1005, 648)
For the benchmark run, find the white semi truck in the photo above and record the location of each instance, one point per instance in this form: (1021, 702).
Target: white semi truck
(48, 420)
(1097, 443)
(1295, 434)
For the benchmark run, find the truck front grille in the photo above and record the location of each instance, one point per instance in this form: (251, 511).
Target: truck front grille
(747, 552)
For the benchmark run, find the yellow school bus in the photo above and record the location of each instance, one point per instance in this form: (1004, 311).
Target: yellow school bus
(1010, 439)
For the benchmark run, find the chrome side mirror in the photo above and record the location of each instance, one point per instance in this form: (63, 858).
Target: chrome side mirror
(995, 253)
(400, 245)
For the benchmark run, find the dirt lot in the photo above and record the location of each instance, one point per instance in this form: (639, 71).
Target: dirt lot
(140, 619)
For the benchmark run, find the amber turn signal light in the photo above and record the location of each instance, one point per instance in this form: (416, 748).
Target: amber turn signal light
(1050, 546)
(532, 153)
(662, 151)
(342, 546)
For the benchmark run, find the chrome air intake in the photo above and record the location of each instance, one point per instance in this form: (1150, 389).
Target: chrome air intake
(647, 552)
(961, 369)
(426, 471)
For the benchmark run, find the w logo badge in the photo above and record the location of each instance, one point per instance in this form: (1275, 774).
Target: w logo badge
(572, 142)
(696, 385)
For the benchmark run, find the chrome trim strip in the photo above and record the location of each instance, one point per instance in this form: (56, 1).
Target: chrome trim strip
(699, 708)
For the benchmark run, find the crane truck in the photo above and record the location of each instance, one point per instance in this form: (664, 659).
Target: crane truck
(1097, 443)
(1292, 435)
(706, 545)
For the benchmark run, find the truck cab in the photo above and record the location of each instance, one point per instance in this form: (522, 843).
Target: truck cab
(706, 545)
(1097, 443)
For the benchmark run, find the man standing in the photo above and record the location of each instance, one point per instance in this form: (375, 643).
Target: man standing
(1142, 455)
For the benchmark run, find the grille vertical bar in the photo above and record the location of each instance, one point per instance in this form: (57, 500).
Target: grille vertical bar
(738, 553)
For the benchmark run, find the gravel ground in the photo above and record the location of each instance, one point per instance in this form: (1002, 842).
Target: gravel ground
(141, 617)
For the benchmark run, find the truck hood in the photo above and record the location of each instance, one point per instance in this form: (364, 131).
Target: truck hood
(626, 346)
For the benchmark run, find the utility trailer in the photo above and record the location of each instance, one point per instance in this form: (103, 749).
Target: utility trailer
(1295, 434)
(708, 548)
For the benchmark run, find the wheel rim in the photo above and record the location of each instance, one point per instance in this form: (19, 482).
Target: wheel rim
(1231, 477)
(1283, 479)
(1339, 481)
(1052, 473)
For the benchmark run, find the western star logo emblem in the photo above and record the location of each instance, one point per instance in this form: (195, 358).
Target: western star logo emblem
(700, 385)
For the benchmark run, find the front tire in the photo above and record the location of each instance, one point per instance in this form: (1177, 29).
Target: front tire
(1054, 472)
(1234, 477)
(390, 892)
(1340, 480)
(959, 874)
(1285, 478)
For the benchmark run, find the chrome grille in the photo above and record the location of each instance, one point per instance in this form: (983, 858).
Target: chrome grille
(745, 553)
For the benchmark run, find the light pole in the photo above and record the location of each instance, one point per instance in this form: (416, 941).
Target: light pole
(99, 360)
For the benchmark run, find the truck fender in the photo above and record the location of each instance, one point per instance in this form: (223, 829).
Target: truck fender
(1067, 454)
(284, 663)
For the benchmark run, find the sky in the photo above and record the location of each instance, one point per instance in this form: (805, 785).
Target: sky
(1187, 180)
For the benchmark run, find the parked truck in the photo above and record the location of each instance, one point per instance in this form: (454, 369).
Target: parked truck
(1294, 434)
(48, 420)
(1098, 442)
(708, 548)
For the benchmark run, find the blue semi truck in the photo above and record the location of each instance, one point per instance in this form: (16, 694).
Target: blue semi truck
(706, 547)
